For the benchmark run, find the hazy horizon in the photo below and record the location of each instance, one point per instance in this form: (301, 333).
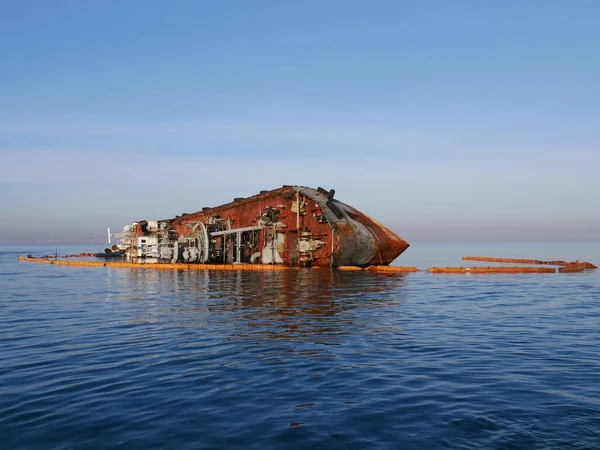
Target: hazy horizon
(445, 121)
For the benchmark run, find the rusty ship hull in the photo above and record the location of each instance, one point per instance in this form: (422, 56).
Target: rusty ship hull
(292, 225)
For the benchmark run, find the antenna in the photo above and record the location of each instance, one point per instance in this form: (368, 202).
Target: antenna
(109, 235)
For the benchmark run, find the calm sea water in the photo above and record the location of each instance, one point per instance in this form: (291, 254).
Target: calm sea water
(132, 358)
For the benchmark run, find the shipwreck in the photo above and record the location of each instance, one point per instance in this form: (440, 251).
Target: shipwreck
(291, 226)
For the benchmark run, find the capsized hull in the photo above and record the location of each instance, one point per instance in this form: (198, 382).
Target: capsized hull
(292, 225)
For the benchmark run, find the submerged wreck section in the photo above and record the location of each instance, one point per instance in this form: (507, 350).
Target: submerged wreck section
(293, 226)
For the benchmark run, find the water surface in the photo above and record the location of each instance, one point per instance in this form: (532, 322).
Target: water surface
(132, 358)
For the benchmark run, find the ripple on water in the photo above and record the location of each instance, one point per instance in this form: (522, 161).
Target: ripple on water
(298, 359)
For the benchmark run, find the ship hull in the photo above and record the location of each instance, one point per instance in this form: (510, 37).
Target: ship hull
(292, 225)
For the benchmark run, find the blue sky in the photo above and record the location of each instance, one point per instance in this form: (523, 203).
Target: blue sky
(445, 120)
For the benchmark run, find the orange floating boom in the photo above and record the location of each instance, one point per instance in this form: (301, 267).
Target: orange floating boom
(571, 267)
(392, 269)
(186, 266)
(388, 269)
(577, 267)
(514, 260)
(491, 270)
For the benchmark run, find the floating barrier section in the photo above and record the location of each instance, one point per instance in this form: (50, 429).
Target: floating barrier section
(577, 267)
(388, 269)
(187, 266)
(491, 270)
(514, 260)
(247, 267)
(392, 269)
(570, 267)
(564, 266)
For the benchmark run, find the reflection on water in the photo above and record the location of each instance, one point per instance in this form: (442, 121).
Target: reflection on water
(303, 301)
(135, 358)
